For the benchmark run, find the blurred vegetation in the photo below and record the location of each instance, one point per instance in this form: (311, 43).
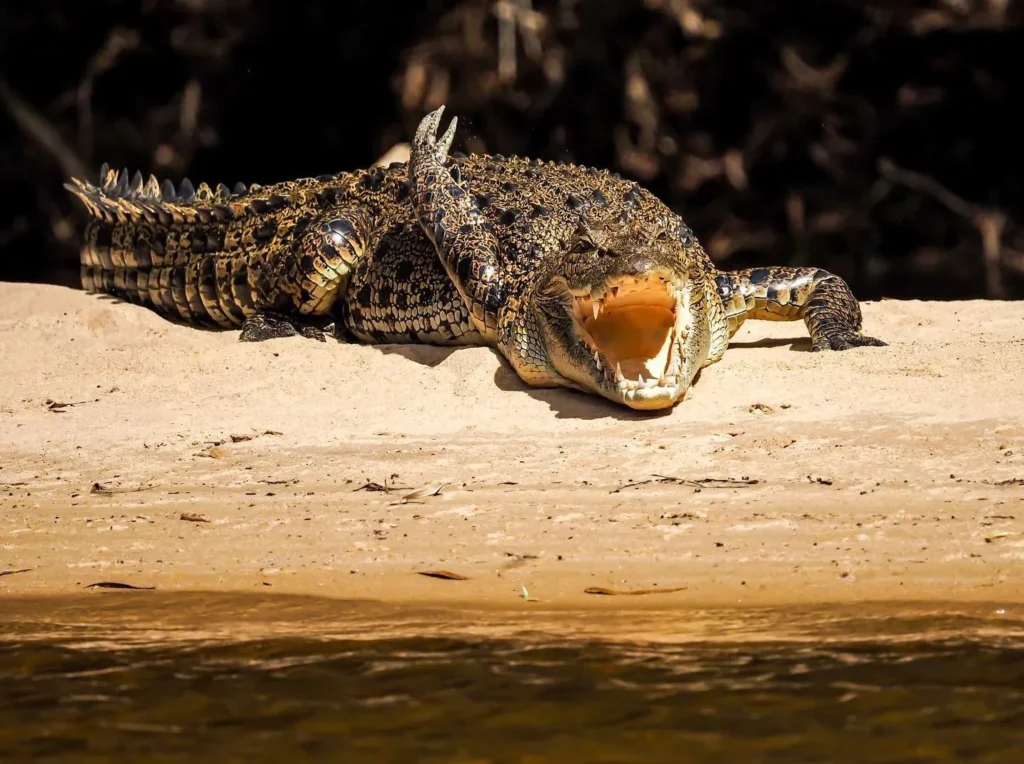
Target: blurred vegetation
(875, 139)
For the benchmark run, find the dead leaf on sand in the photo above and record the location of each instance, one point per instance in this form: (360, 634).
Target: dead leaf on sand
(116, 585)
(101, 490)
(517, 560)
(615, 592)
(193, 517)
(445, 575)
(243, 437)
(421, 493)
(387, 487)
(14, 572)
(1000, 535)
(58, 407)
(699, 483)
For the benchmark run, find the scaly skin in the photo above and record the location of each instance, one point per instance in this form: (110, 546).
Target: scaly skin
(821, 299)
(513, 253)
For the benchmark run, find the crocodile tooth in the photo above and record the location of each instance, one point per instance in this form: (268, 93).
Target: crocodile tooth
(577, 311)
(640, 380)
(619, 377)
(597, 357)
(597, 308)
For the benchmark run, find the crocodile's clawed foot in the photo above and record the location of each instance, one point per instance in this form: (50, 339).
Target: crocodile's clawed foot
(845, 341)
(270, 326)
(426, 139)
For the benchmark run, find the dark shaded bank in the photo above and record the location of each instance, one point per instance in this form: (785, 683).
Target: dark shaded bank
(876, 139)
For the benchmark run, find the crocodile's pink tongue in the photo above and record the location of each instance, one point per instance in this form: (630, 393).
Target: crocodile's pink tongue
(637, 337)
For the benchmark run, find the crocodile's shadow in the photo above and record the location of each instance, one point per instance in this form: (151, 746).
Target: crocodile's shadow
(425, 355)
(567, 404)
(571, 404)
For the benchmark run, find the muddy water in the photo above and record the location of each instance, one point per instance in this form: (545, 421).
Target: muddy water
(133, 676)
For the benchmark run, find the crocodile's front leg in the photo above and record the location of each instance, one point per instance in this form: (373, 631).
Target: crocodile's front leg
(452, 220)
(296, 289)
(822, 299)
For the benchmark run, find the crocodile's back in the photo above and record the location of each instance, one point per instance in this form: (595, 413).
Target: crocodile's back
(213, 256)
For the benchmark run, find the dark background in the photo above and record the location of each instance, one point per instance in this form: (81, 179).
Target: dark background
(879, 140)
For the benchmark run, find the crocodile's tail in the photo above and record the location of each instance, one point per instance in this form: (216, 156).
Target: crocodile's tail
(123, 198)
(126, 250)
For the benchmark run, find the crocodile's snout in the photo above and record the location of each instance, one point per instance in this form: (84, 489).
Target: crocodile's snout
(625, 337)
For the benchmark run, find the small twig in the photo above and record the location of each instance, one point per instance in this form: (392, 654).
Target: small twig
(14, 572)
(506, 13)
(188, 118)
(101, 490)
(36, 127)
(806, 76)
(990, 223)
(927, 185)
(700, 483)
(116, 43)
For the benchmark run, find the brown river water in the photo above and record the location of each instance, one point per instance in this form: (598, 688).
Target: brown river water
(147, 676)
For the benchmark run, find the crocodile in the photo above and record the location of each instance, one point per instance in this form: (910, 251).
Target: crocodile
(580, 278)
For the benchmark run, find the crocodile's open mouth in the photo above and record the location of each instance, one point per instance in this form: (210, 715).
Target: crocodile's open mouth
(635, 329)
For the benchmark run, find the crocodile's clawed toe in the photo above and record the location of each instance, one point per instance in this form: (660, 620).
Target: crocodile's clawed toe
(267, 325)
(846, 341)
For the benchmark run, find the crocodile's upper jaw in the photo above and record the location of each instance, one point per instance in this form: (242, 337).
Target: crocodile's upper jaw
(627, 340)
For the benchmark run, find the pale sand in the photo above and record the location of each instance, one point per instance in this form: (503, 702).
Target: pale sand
(883, 473)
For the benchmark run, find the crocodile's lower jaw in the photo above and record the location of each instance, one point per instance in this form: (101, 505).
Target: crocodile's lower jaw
(651, 393)
(652, 400)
